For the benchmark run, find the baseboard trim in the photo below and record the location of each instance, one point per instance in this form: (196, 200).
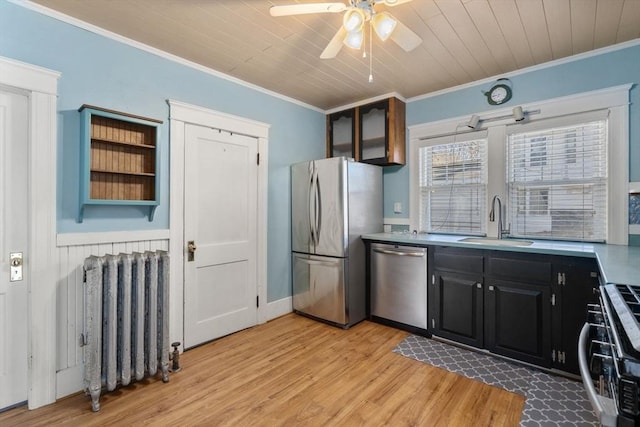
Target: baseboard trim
(279, 308)
(69, 381)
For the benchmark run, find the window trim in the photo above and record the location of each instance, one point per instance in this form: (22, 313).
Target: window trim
(616, 99)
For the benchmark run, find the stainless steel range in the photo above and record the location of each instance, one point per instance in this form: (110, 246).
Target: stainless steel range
(609, 355)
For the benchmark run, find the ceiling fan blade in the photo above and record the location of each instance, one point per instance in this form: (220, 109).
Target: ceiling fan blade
(301, 9)
(406, 39)
(334, 46)
(392, 2)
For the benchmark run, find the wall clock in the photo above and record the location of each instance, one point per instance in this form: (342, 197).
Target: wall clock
(499, 93)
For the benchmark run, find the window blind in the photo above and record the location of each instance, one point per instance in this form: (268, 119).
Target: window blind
(453, 185)
(557, 180)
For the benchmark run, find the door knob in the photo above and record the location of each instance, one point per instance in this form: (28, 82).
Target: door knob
(16, 266)
(191, 250)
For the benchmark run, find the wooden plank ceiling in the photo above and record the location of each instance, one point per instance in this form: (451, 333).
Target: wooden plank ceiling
(463, 41)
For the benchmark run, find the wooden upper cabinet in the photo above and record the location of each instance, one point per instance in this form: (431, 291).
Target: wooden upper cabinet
(377, 133)
(382, 132)
(341, 134)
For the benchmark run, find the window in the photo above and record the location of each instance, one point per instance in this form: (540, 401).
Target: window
(567, 180)
(453, 185)
(557, 180)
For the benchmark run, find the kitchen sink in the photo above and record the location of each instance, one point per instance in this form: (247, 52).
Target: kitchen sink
(499, 242)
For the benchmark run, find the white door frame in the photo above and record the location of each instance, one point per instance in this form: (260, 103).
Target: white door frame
(180, 114)
(40, 265)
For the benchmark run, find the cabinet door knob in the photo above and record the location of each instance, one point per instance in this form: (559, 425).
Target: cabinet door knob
(490, 287)
(479, 285)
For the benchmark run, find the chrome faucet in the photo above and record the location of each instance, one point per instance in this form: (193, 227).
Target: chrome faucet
(492, 217)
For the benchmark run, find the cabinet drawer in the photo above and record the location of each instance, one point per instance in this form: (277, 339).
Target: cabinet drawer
(458, 260)
(526, 269)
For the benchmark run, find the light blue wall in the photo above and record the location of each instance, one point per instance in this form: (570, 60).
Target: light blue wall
(597, 72)
(102, 72)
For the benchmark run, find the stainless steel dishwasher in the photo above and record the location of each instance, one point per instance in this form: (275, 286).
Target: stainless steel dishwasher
(399, 284)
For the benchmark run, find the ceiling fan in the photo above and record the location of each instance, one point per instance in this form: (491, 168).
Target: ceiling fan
(356, 14)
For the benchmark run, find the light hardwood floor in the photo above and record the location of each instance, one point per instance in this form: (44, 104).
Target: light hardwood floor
(294, 371)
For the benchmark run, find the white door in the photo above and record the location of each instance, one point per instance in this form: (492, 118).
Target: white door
(220, 202)
(13, 239)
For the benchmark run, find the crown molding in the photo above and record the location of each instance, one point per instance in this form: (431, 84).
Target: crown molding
(549, 64)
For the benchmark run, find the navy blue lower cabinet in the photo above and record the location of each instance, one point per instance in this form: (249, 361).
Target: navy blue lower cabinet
(518, 306)
(525, 306)
(575, 281)
(518, 321)
(497, 300)
(459, 307)
(456, 301)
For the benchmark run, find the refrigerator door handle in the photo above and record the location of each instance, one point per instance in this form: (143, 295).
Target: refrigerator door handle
(311, 211)
(318, 211)
(325, 263)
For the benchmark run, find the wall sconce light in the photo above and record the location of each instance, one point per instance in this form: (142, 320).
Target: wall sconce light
(518, 114)
(474, 121)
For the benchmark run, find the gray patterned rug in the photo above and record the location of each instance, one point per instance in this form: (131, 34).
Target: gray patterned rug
(550, 400)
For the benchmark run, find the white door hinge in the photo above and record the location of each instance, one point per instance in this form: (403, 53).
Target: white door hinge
(553, 299)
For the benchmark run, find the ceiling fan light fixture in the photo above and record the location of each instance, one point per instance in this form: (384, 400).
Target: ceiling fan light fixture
(383, 24)
(353, 20)
(354, 39)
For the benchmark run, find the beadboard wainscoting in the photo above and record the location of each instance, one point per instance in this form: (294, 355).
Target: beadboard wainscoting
(72, 249)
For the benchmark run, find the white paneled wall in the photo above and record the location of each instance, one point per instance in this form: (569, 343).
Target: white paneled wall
(71, 254)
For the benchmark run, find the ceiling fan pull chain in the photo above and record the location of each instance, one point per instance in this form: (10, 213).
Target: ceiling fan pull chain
(370, 53)
(364, 43)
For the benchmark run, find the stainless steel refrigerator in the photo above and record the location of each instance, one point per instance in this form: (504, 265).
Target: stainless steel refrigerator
(334, 201)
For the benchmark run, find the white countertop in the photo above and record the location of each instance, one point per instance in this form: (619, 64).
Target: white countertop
(618, 264)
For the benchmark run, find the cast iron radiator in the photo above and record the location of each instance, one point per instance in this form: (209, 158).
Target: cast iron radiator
(126, 321)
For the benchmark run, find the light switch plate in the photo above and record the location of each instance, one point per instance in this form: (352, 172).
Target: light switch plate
(397, 207)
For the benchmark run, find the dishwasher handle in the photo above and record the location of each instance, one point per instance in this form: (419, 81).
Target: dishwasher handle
(399, 253)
